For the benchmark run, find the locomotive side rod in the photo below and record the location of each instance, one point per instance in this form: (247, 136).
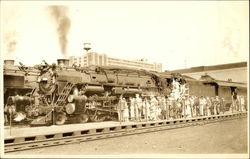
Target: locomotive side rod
(39, 141)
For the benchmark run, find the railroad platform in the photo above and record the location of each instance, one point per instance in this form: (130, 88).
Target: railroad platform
(16, 132)
(53, 129)
(17, 139)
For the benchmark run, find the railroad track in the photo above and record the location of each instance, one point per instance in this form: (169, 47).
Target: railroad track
(82, 135)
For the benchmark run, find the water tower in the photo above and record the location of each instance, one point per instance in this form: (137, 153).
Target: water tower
(87, 46)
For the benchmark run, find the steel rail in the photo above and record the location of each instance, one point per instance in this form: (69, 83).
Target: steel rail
(39, 141)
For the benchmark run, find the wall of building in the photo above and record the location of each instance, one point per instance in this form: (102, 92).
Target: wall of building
(93, 58)
(225, 92)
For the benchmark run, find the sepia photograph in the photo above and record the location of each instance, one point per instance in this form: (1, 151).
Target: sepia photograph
(124, 79)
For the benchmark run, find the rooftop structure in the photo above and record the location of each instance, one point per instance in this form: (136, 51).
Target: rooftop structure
(234, 72)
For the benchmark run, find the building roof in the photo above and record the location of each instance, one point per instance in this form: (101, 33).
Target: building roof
(213, 67)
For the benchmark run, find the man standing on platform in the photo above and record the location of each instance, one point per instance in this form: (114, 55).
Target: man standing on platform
(153, 106)
(209, 105)
(179, 106)
(222, 104)
(132, 108)
(145, 108)
(125, 110)
(164, 107)
(196, 106)
(120, 109)
(168, 107)
(192, 105)
(217, 105)
(138, 107)
(187, 104)
(202, 104)
(234, 101)
(245, 101)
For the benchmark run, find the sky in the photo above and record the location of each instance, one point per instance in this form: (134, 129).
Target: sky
(177, 34)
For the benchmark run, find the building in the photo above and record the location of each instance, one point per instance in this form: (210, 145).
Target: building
(234, 72)
(93, 58)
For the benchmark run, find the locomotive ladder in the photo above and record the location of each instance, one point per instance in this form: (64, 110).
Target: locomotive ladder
(64, 94)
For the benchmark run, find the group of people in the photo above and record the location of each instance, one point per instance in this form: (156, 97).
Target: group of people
(152, 107)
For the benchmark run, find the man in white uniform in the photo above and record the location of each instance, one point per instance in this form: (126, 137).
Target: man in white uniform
(132, 108)
(202, 104)
(138, 107)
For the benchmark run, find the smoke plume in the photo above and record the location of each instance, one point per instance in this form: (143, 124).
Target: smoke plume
(62, 20)
(11, 42)
(231, 42)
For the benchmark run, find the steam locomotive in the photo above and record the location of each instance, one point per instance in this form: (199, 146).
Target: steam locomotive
(55, 94)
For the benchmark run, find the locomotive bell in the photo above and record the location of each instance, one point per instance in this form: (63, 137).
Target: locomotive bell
(63, 62)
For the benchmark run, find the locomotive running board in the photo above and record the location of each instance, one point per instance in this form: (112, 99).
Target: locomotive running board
(81, 135)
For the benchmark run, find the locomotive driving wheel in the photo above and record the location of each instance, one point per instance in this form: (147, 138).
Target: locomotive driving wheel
(60, 119)
(98, 118)
(82, 118)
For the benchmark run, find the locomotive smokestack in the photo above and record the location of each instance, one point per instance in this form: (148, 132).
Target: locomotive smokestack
(63, 62)
(9, 62)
